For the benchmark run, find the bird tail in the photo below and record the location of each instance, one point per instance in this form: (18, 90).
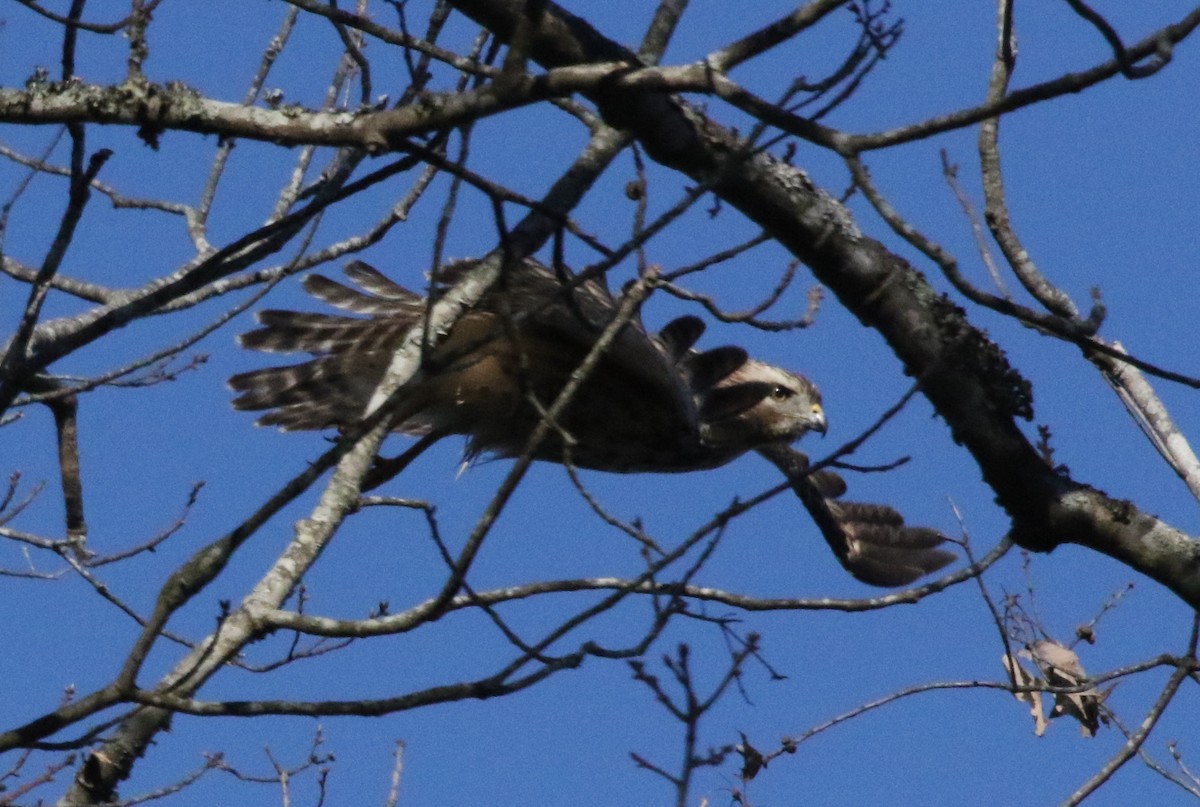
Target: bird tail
(350, 354)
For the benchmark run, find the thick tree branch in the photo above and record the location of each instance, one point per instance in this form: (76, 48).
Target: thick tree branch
(964, 375)
(97, 780)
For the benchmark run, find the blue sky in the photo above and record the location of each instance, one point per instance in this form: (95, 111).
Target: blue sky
(1104, 188)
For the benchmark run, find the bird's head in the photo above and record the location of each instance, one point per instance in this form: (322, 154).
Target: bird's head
(757, 404)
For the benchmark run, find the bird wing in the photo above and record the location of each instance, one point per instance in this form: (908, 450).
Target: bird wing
(559, 306)
(557, 315)
(871, 541)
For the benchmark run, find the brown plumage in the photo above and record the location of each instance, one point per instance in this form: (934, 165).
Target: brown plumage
(652, 403)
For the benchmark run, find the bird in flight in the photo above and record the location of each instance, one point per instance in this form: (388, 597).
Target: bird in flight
(651, 403)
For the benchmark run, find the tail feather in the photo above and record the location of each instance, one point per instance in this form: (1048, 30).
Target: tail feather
(275, 318)
(372, 280)
(321, 334)
(350, 353)
(354, 301)
(299, 417)
(330, 382)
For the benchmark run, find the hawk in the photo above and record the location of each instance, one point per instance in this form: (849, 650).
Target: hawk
(652, 403)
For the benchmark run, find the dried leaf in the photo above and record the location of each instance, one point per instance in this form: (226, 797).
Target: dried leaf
(1061, 668)
(1022, 678)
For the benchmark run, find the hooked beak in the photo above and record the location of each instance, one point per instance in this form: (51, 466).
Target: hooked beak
(816, 420)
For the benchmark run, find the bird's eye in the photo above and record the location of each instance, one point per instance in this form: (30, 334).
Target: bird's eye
(780, 393)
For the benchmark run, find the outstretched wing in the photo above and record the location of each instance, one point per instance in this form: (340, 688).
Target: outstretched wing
(871, 541)
(523, 340)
